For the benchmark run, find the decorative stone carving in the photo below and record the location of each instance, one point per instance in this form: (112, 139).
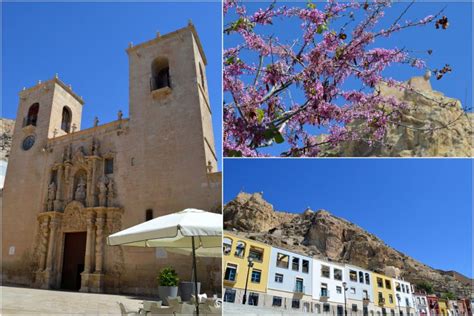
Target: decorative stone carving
(99, 250)
(74, 218)
(110, 193)
(96, 121)
(79, 154)
(67, 153)
(51, 195)
(43, 246)
(102, 186)
(80, 194)
(94, 147)
(120, 115)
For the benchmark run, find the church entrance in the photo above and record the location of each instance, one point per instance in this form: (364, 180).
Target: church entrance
(73, 260)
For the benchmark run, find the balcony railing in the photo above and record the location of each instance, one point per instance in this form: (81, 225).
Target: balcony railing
(299, 288)
(324, 294)
(381, 301)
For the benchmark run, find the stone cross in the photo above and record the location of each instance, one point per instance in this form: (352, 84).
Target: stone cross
(73, 127)
(55, 132)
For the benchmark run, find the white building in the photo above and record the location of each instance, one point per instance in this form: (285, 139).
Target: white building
(328, 289)
(404, 298)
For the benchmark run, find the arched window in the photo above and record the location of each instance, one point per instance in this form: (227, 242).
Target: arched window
(66, 120)
(202, 78)
(227, 246)
(32, 117)
(148, 214)
(160, 74)
(240, 249)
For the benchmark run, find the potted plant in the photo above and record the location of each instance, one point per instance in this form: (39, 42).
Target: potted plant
(168, 284)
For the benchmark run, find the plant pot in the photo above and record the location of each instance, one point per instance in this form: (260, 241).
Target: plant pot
(165, 291)
(186, 289)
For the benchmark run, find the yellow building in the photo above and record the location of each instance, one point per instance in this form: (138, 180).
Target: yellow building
(237, 251)
(384, 294)
(443, 307)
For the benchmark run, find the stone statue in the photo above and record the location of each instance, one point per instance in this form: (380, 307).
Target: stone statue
(79, 154)
(80, 194)
(110, 193)
(94, 148)
(96, 121)
(209, 166)
(51, 195)
(102, 192)
(67, 154)
(120, 114)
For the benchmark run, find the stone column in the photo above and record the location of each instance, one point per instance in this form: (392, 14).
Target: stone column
(53, 224)
(94, 181)
(89, 242)
(90, 189)
(99, 251)
(43, 242)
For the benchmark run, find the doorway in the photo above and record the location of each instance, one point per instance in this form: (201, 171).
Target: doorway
(73, 260)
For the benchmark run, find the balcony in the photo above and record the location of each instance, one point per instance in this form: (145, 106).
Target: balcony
(324, 295)
(365, 301)
(381, 301)
(299, 289)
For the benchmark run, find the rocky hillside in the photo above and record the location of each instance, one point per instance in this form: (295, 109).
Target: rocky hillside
(6, 133)
(433, 125)
(324, 235)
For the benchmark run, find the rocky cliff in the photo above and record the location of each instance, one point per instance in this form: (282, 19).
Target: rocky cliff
(321, 234)
(6, 133)
(433, 125)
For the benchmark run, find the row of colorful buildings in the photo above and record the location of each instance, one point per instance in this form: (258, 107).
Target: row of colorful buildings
(261, 275)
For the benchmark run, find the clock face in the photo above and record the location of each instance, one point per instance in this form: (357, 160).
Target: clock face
(28, 142)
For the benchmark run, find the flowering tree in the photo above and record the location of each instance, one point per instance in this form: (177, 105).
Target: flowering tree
(261, 73)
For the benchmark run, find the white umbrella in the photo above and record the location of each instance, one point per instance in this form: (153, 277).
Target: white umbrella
(189, 231)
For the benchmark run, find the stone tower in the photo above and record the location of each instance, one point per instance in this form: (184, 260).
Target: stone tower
(47, 110)
(168, 83)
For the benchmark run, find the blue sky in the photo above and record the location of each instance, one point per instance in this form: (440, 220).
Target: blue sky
(421, 207)
(452, 46)
(85, 43)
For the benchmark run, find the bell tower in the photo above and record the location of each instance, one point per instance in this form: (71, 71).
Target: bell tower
(169, 99)
(47, 110)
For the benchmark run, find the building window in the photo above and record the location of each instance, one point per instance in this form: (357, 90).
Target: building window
(66, 120)
(407, 302)
(148, 215)
(367, 278)
(338, 274)
(397, 286)
(203, 84)
(227, 246)
(353, 275)
(340, 310)
(361, 277)
(326, 307)
(388, 285)
(325, 271)
(229, 295)
(276, 301)
(305, 265)
(418, 300)
(365, 295)
(381, 300)
(240, 249)
(295, 303)
(256, 275)
(109, 166)
(32, 116)
(295, 264)
(230, 272)
(379, 282)
(338, 289)
(366, 311)
(256, 254)
(299, 287)
(408, 289)
(324, 290)
(253, 299)
(282, 260)
(306, 307)
(317, 308)
(392, 312)
(354, 308)
(160, 74)
(352, 290)
(278, 278)
(390, 298)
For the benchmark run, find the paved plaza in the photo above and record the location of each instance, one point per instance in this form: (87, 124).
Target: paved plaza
(26, 301)
(239, 309)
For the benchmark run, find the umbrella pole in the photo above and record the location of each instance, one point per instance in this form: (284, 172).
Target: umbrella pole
(195, 278)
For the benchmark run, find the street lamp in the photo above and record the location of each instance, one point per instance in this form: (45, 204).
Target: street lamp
(344, 285)
(250, 264)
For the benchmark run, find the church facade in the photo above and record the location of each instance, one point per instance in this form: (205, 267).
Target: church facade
(67, 189)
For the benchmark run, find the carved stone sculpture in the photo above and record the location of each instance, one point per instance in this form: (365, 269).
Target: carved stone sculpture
(94, 148)
(120, 114)
(102, 192)
(51, 195)
(110, 193)
(80, 194)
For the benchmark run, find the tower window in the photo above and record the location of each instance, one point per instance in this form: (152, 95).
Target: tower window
(148, 214)
(32, 117)
(66, 120)
(160, 72)
(109, 166)
(202, 78)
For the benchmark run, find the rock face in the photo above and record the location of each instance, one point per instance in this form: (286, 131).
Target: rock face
(6, 133)
(433, 125)
(324, 235)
